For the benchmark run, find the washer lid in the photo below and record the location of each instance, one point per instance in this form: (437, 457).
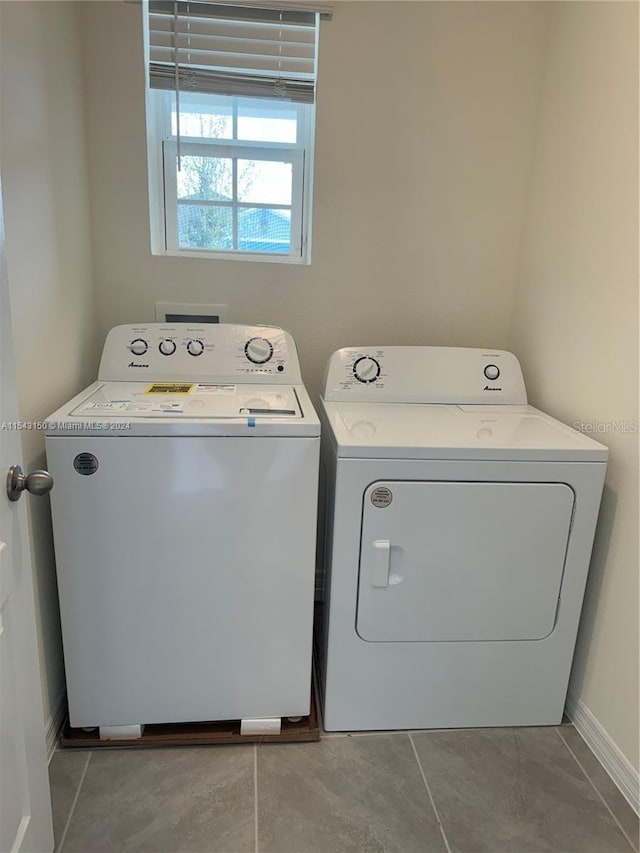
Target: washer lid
(419, 431)
(186, 408)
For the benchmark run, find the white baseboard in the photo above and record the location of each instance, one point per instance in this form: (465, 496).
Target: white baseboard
(622, 772)
(54, 724)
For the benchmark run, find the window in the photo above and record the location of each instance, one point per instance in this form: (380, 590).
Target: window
(230, 121)
(240, 185)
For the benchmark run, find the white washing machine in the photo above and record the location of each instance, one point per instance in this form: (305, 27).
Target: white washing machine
(459, 529)
(184, 515)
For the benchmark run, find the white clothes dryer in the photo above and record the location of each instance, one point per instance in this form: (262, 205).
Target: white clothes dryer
(459, 528)
(184, 515)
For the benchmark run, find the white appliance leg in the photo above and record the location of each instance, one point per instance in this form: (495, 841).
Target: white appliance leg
(261, 726)
(121, 732)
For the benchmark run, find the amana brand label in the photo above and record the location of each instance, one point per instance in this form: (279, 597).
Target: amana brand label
(381, 497)
(85, 463)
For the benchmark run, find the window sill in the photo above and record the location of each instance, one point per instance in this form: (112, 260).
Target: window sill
(253, 257)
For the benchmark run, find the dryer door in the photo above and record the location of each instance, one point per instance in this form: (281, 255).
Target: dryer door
(461, 560)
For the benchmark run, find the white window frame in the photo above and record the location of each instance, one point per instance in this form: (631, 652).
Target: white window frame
(163, 195)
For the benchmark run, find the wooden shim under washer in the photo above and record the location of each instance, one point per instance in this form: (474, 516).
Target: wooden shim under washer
(198, 734)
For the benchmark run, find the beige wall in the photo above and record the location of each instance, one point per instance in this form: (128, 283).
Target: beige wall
(425, 125)
(44, 176)
(575, 324)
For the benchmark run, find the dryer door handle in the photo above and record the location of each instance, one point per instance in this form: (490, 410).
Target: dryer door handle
(381, 556)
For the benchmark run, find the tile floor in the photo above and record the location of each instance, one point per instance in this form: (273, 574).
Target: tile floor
(473, 791)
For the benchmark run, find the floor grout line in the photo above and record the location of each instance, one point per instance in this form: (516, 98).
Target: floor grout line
(431, 800)
(63, 838)
(255, 794)
(596, 789)
(327, 735)
(380, 732)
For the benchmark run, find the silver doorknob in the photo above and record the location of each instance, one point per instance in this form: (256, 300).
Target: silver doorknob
(37, 482)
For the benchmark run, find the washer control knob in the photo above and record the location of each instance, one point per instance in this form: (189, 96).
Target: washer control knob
(195, 347)
(492, 371)
(258, 350)
(366, 369)
(167, 347)
(139, 346)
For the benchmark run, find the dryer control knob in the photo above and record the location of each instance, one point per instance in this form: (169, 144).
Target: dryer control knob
(258, 350)
(366, 369)
(139, 346)
(492, 371)
(195, 347)
(167, 347)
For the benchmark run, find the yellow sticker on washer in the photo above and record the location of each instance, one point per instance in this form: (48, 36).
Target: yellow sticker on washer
(169, 388)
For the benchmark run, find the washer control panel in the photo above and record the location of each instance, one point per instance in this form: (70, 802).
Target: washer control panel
(216, 352)
(456, 375)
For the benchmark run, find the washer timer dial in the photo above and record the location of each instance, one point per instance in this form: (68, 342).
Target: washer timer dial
(366, 369)
(258, 350)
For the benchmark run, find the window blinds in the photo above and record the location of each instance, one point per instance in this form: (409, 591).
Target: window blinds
(256, 50)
